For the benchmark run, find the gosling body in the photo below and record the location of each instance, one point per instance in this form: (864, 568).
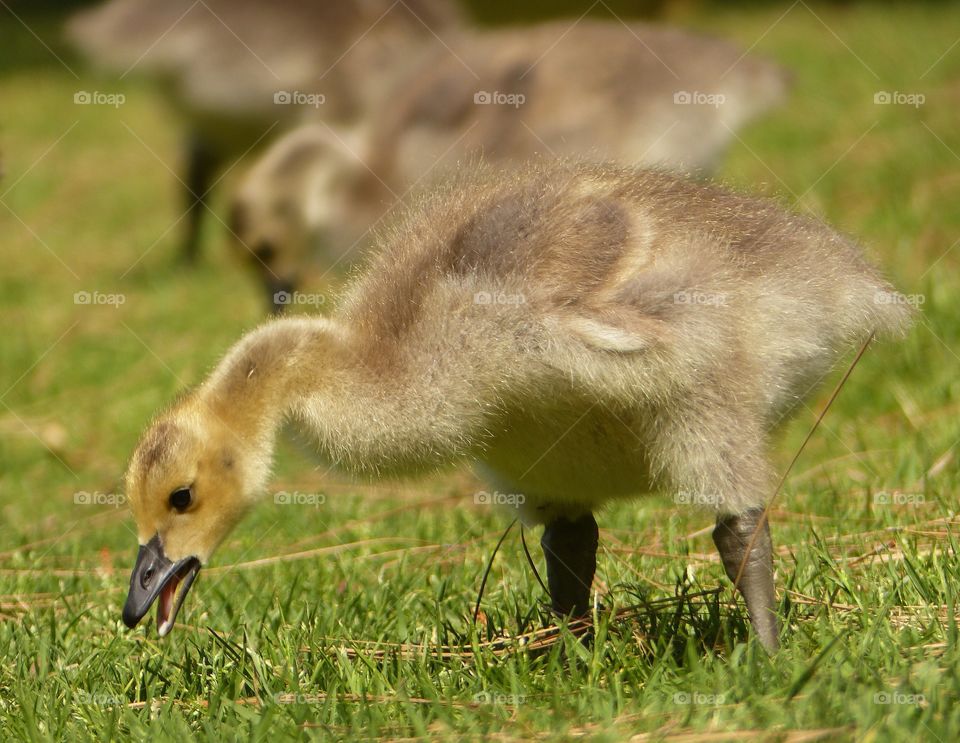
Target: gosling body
(237, 69)
(580, 332)
(639, 94)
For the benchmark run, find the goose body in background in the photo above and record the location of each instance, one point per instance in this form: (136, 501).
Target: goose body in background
(581, 332)
(642, 94)
(240, 71)
(639, 95)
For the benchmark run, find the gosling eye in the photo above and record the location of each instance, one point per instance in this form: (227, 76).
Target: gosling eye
(264, 252)
(180, 499)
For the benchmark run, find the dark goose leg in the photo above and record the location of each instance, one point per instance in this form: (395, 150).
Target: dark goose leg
(202, 163)
(571, 551)
(732, 536)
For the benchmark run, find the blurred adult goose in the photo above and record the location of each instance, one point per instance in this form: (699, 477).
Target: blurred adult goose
(601, 90)
(582, 333)
(236, 69)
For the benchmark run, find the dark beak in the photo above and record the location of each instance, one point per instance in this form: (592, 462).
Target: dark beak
(154, 575)
(279, 294)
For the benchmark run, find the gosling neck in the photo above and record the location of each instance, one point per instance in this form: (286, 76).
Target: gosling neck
(372, 411)
(257, 384)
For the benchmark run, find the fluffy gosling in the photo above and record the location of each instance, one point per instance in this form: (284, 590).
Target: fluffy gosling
(582, 333)
(642, 95)
(236, 69)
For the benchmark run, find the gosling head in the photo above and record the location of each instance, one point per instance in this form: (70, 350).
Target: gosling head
(310, 194)
(270, 240)
(190, 481)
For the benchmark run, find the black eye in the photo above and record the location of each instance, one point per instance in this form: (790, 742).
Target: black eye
(264, 252)
(180, 499)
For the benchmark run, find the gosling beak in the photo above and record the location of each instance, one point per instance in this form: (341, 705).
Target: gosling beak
(279, 294)
(154, 575)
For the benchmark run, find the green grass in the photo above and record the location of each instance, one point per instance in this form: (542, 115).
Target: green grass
(306, 646)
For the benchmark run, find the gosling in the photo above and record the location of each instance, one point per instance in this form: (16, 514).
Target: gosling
(582, 333)
(642, 95)
(235, 69)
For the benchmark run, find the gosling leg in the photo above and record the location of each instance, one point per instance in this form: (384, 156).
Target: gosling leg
(732, 536)
(571, 551)
(202, 163)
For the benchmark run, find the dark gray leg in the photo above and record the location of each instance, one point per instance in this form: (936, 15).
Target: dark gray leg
(202, 163)
(732, 537)
(571, 551)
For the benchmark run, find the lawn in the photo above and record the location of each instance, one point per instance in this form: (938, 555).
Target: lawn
(349, 613)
